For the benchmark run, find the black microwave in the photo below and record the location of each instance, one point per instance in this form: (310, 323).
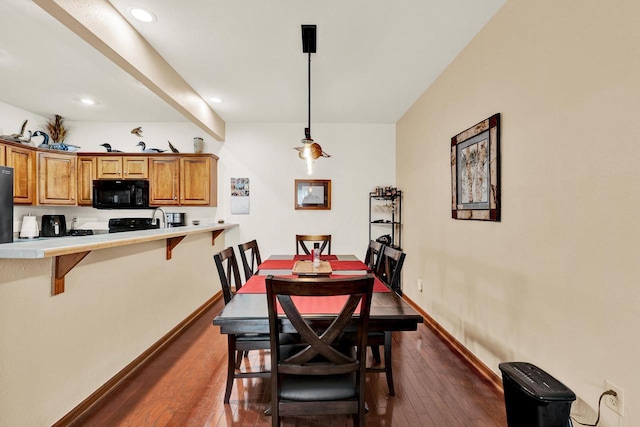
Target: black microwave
(120, 194)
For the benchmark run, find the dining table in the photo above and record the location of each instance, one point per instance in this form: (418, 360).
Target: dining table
(247, 311)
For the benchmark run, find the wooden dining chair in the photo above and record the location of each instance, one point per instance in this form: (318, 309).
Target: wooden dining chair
(372, 256)
(316, 377)
(303, 239)
(254, 255)
(388, 271)
(238, 345)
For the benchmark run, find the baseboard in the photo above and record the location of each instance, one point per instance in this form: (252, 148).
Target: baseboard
(138, 363)
(476, 364)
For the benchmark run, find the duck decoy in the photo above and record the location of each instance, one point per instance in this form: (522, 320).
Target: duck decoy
(149, 150)
(109, 149)
(45, 141)
(173, 149)
(137, 131)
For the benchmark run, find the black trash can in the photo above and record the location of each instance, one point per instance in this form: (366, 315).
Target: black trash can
(533, 398)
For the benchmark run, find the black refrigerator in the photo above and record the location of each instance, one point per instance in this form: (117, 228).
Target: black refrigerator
(6, 204)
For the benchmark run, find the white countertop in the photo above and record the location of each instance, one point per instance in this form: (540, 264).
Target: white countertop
(46, 247)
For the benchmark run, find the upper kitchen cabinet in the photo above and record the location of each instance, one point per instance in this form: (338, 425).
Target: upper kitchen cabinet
(187, 180)
(198, 183)
(163, 181)
(56, 179)
(22, 160)
(86, 175)
(122, 167)
(3, 156)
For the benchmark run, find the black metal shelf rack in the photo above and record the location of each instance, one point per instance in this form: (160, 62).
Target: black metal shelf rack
(385, 217)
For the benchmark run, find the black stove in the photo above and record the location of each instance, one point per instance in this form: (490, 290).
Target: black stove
(118, 225)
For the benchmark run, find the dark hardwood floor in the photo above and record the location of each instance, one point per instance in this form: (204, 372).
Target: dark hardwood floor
(184, 386)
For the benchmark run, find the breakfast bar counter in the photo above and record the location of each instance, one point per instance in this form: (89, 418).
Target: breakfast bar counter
(70, 250)
(47, 247)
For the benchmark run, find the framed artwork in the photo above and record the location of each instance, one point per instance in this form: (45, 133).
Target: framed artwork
(313, 194)
(475, 172)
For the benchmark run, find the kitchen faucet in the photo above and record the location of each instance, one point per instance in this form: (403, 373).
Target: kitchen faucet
(164, 217)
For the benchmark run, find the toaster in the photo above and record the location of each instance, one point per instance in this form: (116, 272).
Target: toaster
(53, 226)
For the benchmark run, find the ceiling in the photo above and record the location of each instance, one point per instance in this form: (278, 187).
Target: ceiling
(374, 58)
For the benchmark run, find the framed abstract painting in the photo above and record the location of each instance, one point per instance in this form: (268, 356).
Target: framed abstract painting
(475, 172)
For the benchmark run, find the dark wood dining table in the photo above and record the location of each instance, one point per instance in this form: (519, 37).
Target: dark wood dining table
(247, 311)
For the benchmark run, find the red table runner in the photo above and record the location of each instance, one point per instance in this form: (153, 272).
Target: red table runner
(309, 305)
(257, 284)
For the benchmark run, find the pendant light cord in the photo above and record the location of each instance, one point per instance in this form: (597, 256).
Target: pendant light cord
(309, 123)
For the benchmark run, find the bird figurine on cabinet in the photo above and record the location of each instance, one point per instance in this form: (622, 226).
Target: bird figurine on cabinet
(149, 150)
(45, 141)
(137, 131)
(173, 149)
(18, 137)
(109, 149)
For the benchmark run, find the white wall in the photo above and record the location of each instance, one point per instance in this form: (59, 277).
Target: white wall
(555, 283)
(363, 156)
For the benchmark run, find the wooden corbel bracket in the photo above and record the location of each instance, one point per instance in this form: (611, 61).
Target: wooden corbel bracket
(61, 266)
(172, 242)
(214, 234)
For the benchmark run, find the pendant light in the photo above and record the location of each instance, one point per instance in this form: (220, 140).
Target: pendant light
(310, 150)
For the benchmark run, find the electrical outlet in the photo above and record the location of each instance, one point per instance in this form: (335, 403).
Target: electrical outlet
(420, 285)
(616, 403)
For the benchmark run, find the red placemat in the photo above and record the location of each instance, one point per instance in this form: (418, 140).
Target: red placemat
(348, 265)
(257, 284)
(308, 258)
(277, 264)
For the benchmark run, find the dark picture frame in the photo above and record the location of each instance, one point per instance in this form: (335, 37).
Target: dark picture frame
(313, 194)
(475, 172)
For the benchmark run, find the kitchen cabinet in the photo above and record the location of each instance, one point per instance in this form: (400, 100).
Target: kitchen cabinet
(56, 179)
(86, 175)
(3, 155)
(164, 188)
(198, 183)
(22, 160)
(122, 167)
(187, 180)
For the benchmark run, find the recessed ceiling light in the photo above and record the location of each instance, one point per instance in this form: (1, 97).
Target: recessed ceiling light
(216, 100)
(142, 15)
(87, 101)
